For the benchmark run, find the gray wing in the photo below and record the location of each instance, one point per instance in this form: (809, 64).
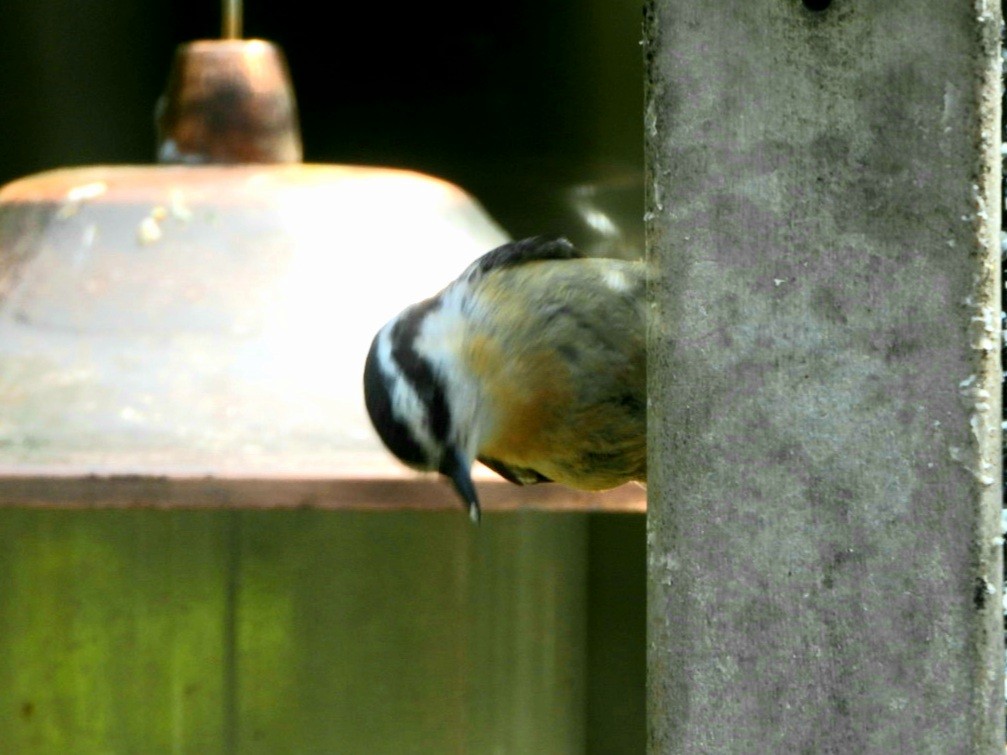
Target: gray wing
(517, 475)
(532, 249)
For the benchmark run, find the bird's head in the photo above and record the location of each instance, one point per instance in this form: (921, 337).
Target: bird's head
(407, 398)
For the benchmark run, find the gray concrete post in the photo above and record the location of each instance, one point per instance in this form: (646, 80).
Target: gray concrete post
(823, 227)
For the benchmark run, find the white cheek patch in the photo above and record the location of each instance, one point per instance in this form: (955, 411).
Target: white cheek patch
(406, 404)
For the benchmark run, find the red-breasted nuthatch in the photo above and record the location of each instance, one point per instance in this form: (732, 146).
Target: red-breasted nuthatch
(533, 362)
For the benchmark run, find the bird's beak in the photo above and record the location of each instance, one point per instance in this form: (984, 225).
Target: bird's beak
(458, 469)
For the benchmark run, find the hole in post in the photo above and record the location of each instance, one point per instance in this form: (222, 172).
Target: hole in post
(817, 4)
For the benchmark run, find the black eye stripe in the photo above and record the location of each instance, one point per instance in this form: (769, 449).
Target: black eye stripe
(393, 433)
(418, 371)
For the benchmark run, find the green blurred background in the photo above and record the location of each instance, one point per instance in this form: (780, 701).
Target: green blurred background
(332, 632)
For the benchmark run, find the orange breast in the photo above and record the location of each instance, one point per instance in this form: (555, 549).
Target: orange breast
(529, 396)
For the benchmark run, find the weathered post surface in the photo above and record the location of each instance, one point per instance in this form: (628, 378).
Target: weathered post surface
(823, 227)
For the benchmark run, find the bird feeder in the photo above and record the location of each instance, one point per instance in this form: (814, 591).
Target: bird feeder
(168, 332)
(181, 349)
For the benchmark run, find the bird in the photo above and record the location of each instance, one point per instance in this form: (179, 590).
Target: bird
(533, 361)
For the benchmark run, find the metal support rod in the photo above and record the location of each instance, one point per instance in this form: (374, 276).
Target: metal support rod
(231, 19)
(824, 547)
